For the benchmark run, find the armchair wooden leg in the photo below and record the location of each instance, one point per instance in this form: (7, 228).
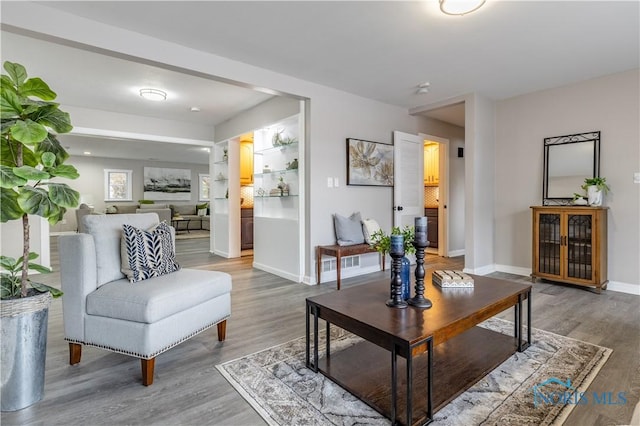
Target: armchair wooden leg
(222, 330)
(147, 371)
(75, 352)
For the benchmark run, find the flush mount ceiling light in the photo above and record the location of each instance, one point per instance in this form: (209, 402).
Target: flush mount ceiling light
(423, 88)
(153, 94)
(460, 7)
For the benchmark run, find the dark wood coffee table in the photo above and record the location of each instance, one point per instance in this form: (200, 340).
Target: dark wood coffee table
(412, 362)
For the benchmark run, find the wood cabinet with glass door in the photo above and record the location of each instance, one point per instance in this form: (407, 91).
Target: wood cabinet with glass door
(570, 245)
(431, 164)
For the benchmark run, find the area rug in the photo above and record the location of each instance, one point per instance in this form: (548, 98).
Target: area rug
(283, 391)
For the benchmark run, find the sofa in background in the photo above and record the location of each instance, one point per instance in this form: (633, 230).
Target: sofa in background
(190, 211)
(167, 211)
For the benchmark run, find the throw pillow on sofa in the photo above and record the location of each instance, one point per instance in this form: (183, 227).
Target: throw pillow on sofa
(147, 254)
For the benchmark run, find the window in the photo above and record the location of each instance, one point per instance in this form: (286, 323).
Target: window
(117, 185)
(203, 187)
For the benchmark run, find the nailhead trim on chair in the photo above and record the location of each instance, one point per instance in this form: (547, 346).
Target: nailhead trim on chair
(153, 355)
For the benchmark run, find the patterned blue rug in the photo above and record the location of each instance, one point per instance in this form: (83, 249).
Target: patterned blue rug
(283, 391)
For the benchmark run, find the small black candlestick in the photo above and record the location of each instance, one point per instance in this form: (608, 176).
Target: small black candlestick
(420, 243)
(396, 252)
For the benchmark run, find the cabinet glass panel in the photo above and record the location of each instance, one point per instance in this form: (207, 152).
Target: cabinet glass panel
(579, 245)
(549, 244)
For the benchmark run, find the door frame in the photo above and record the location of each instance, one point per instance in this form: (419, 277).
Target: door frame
(443, 194)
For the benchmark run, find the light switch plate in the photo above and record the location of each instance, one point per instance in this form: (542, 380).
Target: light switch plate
(636, 177)
(329, 182)
(336, 183)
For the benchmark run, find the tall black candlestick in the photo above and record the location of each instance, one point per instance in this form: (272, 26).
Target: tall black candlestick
(397, 253)
(420, 243)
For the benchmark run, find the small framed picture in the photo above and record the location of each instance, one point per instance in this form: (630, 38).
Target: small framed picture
(369, 163)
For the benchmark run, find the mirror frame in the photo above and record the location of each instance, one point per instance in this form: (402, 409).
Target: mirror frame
(563, 140)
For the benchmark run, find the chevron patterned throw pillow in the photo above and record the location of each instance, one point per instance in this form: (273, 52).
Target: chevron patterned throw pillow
(147, 254)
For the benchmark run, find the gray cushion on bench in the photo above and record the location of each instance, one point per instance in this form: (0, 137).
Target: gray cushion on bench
(151, 300)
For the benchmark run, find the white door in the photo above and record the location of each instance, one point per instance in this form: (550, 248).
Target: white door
(408, 181)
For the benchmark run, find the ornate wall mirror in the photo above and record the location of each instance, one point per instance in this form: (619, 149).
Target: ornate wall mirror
(568, 161)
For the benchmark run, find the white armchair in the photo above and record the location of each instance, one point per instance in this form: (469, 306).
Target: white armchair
(102, 308)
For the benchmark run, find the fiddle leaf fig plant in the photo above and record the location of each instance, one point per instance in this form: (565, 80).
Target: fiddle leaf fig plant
(31, 161)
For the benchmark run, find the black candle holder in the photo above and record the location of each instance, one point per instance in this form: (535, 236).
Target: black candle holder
(419, 301)
(396, 253)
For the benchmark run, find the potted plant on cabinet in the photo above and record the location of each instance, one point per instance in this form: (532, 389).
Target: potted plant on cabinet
(595, 187)
(32, 160)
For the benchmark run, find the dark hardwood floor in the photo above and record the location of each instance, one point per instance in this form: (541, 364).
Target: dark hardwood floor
(105, 388)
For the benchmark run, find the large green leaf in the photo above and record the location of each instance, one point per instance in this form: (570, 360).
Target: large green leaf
(7, 84)
(36, 87)
(10, 104)
(8, 179)
(51, 144)
(39, 268)
(66, 171)
(16, 71)
(9, 287)
(9, 152)
(48, 159)
(54, 118)
(10, 208)
(42, 288)
(63, 195)
(36, 201)
(8, 263)
(28, 132)
(55, 219)
(5, 125)
(31, 173)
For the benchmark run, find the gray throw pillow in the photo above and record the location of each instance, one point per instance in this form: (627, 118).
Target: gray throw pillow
(348, 229)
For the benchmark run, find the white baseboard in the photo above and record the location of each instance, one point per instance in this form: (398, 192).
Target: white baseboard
(349, 272)
(624, 287)
(279, 272)
(221, 253)
(456, 253)
(55, 234)
(483, 270)
(516, 270)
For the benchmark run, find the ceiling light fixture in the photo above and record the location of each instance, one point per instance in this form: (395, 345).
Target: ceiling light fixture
(153, 94)
(460, 7)
(87, 153)
(423, 88)
(194, 109)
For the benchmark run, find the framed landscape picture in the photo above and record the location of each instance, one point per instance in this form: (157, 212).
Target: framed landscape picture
(369, 163)
(167, 184)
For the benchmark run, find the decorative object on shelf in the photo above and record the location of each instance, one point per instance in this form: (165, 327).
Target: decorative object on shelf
(369, 163)
(595, 187)
(266, 169)
(261, 192)
(226, 194)
(451, 279)
(283, 186)
(568, 161)
(221, 177)
(420, 243)
(578, 199)
(225, 155)
(293, 165)
(382, 243)
(31, 155)
(279, 140)
(396, 251)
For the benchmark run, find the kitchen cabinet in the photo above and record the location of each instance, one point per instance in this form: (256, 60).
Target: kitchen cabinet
(246, 229)
(432, 226)
(431, 164)
(570, 245)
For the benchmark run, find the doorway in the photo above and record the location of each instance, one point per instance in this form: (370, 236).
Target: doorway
(436, 177)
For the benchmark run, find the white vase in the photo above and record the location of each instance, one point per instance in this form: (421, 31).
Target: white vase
(595, 195)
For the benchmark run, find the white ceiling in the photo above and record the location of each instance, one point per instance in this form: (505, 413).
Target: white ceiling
(379, 50)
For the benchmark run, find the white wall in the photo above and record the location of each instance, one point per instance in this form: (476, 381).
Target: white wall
(609, 104)
(91, 182)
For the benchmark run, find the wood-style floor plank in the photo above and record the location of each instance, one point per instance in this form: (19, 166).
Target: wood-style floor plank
(105, 388)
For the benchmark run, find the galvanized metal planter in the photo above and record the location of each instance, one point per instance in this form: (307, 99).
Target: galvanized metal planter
(24, 348)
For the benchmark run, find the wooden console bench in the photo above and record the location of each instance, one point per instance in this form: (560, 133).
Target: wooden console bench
(339, 251)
